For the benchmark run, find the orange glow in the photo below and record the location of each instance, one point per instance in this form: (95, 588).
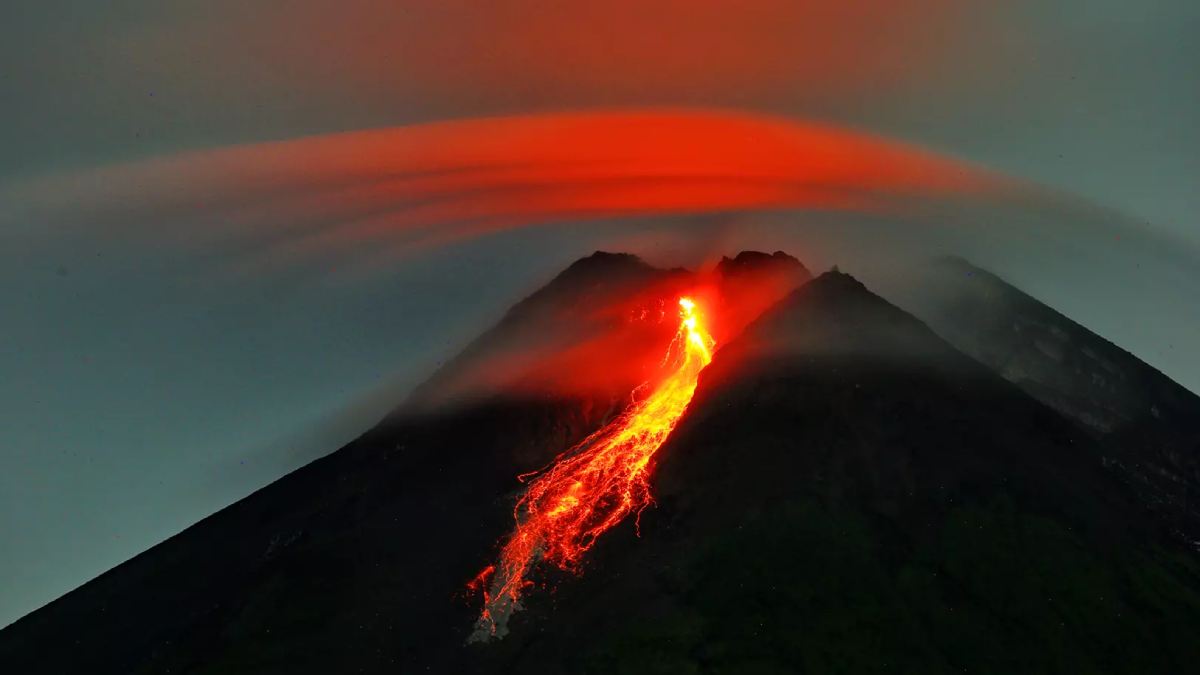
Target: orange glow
(451, 56)
(390, 193)
(595, 485)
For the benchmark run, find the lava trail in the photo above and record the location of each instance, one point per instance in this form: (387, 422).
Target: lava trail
(594, 485)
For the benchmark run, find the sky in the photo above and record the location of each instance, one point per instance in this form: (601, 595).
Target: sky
(143, 384)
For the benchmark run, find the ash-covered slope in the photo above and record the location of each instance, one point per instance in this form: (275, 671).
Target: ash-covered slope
(1149, 425)
(847, 493)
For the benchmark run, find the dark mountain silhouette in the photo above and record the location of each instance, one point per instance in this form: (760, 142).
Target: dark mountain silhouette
(753, 263)
(847, 493)
(1148, 424)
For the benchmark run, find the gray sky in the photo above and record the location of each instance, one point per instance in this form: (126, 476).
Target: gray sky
(141, 390)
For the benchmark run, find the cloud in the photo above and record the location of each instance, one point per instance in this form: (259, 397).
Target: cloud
(460, 52)
(405, 189)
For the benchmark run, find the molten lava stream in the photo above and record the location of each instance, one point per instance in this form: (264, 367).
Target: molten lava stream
(595, 485)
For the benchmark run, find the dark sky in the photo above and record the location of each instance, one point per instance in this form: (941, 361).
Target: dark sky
(142, 387)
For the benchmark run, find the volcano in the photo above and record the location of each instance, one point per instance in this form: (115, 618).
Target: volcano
(849, 489)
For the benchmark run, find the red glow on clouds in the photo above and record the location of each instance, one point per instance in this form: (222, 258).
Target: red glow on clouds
(455, 57)
(407, 188)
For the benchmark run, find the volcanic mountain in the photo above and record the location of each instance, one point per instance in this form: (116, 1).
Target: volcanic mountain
(1148, 425)
(847, 492)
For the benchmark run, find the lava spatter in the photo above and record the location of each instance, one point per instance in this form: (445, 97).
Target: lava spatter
(594, 485)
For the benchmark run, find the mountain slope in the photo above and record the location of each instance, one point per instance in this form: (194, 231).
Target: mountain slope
(850, 494)
(847, 493)
(581, 302)
(1149, 425)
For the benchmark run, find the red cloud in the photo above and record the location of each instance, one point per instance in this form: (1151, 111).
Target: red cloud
(406, 188)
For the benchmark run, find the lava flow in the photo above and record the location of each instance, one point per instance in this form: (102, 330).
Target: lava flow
(594, 485)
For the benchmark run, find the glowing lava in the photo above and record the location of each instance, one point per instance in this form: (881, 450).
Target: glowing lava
(594, 485)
